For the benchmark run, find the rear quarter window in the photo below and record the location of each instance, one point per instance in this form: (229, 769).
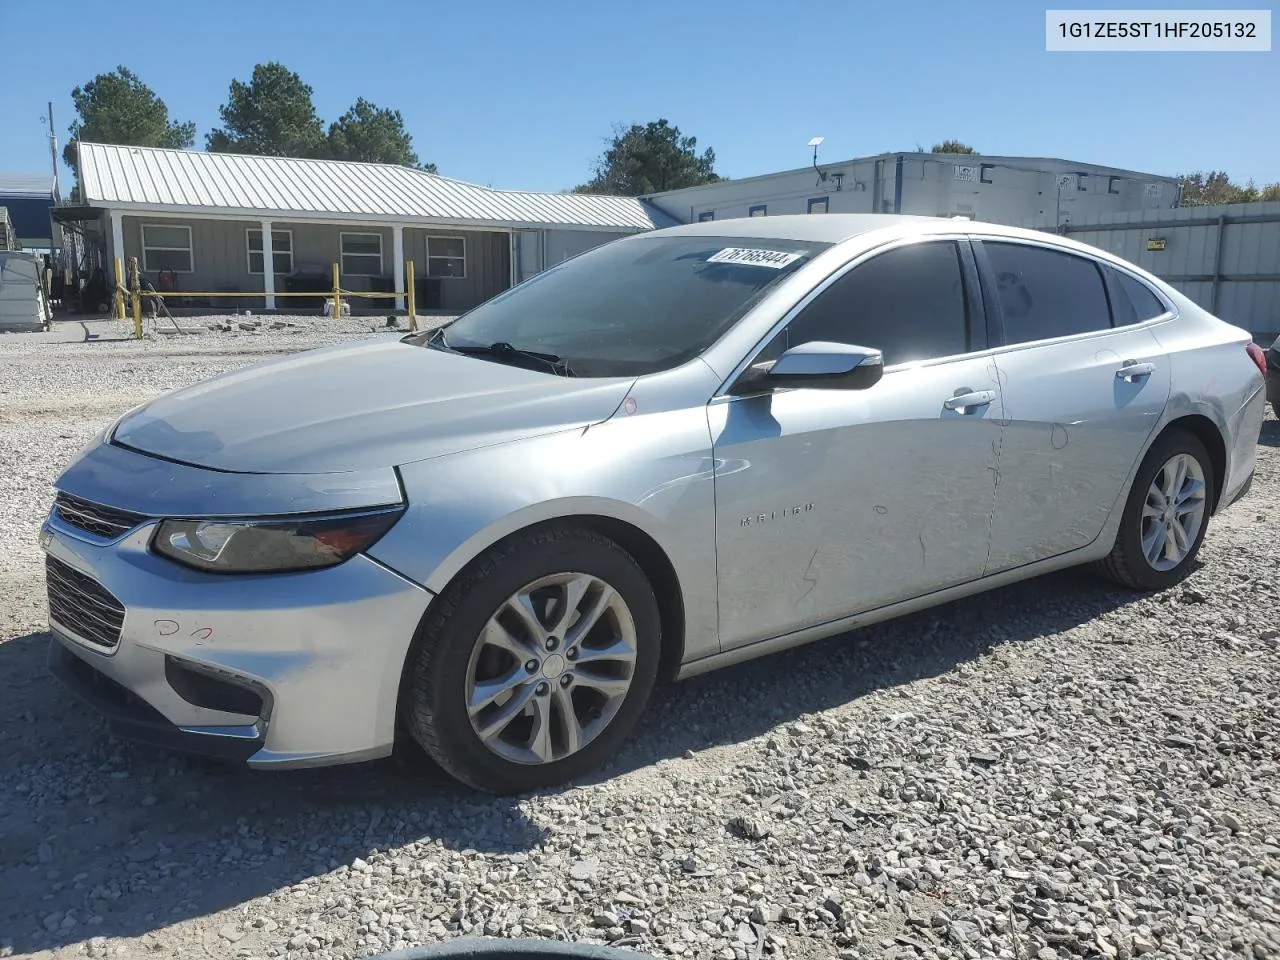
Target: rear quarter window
(1137, 302)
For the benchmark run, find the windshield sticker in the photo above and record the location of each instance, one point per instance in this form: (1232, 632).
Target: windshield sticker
(757, 258)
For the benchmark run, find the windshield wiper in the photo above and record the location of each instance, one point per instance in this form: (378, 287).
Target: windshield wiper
(502, 349)
(429, 338)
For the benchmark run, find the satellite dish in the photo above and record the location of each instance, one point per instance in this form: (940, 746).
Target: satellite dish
(814, 143)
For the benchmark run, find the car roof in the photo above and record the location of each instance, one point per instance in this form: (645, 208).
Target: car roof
(837, 227)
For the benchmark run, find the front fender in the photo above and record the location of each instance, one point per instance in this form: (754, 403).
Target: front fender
(654, 472)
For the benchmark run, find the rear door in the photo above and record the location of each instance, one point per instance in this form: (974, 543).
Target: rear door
(1084, 383)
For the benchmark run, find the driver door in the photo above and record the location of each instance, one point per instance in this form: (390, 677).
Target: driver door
(831, 502)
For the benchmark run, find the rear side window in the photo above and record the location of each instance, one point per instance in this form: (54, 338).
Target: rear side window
(908, 303)
(1044, 293)
(1140, 303)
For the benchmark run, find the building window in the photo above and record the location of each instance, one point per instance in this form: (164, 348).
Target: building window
(706, 216)
(166, 247)
(281, 251)
(985, 172)
(1113, 185)
(446, 257)
(760, 210)
(818, 205)
(362, 254)
(1082, 182)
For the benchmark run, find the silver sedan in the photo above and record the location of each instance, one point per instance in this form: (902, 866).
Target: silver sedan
(676, 451)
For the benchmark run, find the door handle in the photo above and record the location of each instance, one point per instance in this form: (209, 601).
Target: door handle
(978, 398)
(1132, 370)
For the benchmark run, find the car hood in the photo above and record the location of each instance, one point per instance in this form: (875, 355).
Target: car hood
(350, 408)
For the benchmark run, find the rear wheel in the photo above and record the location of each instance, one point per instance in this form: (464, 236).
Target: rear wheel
(534, 665)
(1165, 517)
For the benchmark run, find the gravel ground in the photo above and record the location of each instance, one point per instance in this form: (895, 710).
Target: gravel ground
(1054, 769)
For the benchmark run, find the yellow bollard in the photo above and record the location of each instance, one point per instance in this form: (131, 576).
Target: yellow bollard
(411, 301)
(337, 295)
(119, 290)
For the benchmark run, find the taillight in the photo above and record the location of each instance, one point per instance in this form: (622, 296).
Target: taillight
(1257, 356)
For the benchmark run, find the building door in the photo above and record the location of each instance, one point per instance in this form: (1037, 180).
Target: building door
(528, 250)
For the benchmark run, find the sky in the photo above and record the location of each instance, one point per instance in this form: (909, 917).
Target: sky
(523, 95)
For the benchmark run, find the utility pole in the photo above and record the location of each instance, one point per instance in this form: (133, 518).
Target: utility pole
(53, 152)
(57, 193)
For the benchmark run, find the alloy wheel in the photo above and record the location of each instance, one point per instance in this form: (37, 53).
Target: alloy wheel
(1173, 512)
(551, 668)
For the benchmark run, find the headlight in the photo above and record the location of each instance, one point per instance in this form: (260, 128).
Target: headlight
(275, 544)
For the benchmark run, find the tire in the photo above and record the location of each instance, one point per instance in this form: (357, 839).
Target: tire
(448, 657)
(1128, 564)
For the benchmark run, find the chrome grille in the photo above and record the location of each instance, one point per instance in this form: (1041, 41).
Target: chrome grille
(83, 605)
(105, 522)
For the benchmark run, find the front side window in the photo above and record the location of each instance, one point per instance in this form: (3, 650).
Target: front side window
(908, 303)
(633, 306)
(166, 247)
(1046, 293)
(362, 254)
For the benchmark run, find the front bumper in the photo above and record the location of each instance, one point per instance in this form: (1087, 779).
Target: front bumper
(281, 670)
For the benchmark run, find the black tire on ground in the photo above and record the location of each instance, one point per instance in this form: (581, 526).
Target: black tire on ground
(433, 695)
(1126, 564)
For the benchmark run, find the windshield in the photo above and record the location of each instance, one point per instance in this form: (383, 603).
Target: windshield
(629, 307)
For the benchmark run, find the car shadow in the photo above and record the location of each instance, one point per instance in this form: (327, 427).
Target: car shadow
(752, 698)
(126, 839)
(1270, 435)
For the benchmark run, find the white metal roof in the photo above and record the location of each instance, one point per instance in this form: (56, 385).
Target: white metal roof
(26, 185)
(188, 181)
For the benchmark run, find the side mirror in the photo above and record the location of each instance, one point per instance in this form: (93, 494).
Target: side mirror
(816, 365)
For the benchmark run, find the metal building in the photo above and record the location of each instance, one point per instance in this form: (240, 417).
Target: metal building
(1007, 190)
(210, 222)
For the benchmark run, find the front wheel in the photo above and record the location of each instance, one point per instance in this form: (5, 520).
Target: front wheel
(1165, 517)
(535, 664)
